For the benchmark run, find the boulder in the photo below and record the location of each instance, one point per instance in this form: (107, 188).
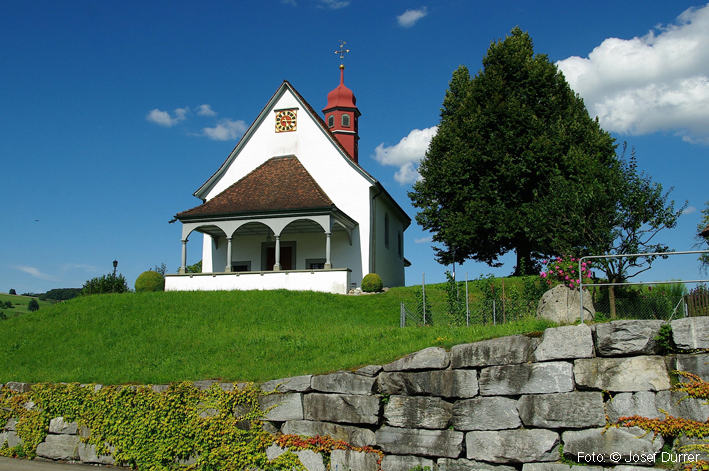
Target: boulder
(311, 460)
(499, 351)
(404, 463)
(353, 435)
(18, 387)
(612, 446)
(59, 447)
(641, 403)
(341, 408)
(433, 358)
(691, 333)
(642, 373)
(564, 410)
(285, 385)
(60, 427)
(417, 412)
(344, 460)
(405, 441)
(369, 370)
(567, 342)
(513, 446)
(11, 438)
(562, 305)
(528, 378)
(344, 382)
(447, 464)
(88, 454)
(627, 337)
(442, 383)
(678, 404)
(695, 364)
(282, 407)
(485, 413)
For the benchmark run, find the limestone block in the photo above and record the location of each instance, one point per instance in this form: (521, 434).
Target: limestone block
(405, 463)
(349, 460)
(160, 388)
(499, 351)
(341, 408)
(527, 378)
(563, 305)
(417, 412)
(632, 444)
(405, 441)
(695, 364)
(641, 403)
(442, 383)
(697, 447)
(642, 373)
(485, 413)
(282, 407)
(447, 464)
(18, 387)
(59, 447)
(513, 446)
(567, 342)
(344, 382)
(431, 358)
(369, 370)
(546, 467)
(87, 454)
(11, 437)
(628, 337)
(311, 460)
(285, 385)
(678, 404)
(11, 424)
(59, 426)
(691, 332)
(353, 435)
(564, 410)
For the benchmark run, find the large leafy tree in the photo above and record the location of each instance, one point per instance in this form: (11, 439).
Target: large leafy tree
(703, 240)
(517, 164)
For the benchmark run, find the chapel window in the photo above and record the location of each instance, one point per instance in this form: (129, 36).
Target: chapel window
(346, 120)
(330, 121)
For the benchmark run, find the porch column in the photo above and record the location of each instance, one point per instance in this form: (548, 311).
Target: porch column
(183, 268)
(227, 269)
(328, 263)
(277, 266)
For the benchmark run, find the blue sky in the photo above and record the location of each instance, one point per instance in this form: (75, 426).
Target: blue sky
(113, 113)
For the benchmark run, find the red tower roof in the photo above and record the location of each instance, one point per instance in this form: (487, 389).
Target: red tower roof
(341, 97)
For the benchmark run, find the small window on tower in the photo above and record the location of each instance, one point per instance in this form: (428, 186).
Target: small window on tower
(331, 121)
(346, 120)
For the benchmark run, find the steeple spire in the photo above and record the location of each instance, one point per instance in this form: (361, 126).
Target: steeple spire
(341, 113)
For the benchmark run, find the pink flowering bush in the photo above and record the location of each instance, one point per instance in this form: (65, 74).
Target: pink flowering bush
(565, 269)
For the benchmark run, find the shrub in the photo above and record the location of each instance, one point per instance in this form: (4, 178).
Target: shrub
(372, 283)
(105, 284)
(13, 292)
(150, 281)
(33, 305)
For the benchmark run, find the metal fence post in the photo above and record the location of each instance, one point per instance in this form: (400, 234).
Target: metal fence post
(467, 304)
(402, 318)
(423, 291)
(494, 313)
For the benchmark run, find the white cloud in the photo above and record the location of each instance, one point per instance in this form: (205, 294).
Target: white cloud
(289, 2)
(37, 274)
(658, 82)
(406, 154)
(226, 130)
(689, 210)
(205, 110)
(163, 118)
(410, 17)
(423, 240)
(334, 4)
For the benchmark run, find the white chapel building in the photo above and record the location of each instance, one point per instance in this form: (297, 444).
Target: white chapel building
(291, 208)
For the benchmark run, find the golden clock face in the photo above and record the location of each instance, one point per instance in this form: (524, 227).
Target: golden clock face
(286, 121)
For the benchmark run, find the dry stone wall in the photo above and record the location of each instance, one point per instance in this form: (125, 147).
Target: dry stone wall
(498, 405)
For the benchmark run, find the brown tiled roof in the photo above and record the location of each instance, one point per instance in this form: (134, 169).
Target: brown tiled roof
(705, 232)
(279, 184)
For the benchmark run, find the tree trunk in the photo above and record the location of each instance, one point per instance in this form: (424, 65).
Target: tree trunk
(611, 299)
(524, 259)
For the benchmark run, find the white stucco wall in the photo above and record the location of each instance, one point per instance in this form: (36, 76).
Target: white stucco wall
(388, 264)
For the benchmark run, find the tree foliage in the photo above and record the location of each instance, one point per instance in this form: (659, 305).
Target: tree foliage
(517, 163)
(12, 291)
(150, 281)
(105, 284)
(60, 294)
(33, 305)
(703, 241)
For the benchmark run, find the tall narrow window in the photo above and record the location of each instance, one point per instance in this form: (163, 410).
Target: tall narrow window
(330, 121)
(400, 245)
(386, 230)
(346, 120)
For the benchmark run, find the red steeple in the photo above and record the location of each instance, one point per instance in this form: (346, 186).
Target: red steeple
(342, 116)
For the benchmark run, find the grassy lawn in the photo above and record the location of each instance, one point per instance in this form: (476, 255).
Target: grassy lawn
(233, 336)
(19, 304)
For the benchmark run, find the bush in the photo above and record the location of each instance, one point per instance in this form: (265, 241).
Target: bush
(33, 305)
(105, 284)
(150, 281)
(13, 292)
(372, 283)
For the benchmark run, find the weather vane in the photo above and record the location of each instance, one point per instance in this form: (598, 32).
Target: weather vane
(342, 50)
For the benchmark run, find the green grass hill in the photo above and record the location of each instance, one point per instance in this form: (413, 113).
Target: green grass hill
(164, 337)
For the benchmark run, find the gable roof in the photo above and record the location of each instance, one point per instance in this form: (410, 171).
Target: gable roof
(279, 184)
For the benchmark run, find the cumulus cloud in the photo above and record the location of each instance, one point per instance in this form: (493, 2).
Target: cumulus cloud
(689, 210)
(334, 4)
(163, 118)
(410, 17)
(423, 240)
(406, 154)
(37, 274)
(205, 110)
(225, 130)
(658, 82)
